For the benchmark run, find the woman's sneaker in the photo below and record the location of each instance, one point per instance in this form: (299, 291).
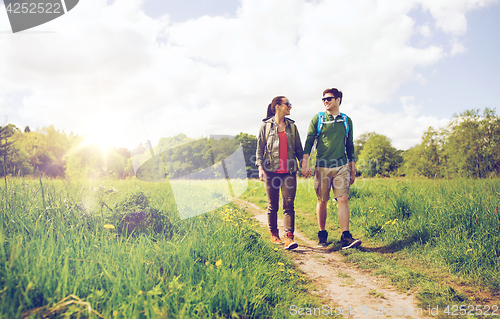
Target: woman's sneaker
(322, 237)
(289, 242)
(275, 237)
(348, 242)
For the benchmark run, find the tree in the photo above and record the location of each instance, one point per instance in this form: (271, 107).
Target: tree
(379, 157)
(6, 148)
(428, 158)
(84, 161)
(115, 163)
(473, 145)
(35, 147)
(58, 145)
(360, 142)
(249, 145)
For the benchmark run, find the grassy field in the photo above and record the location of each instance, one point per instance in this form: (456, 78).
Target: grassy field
(118, 249)
(440, 238)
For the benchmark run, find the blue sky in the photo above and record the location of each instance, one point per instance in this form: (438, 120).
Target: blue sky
(124, 71)
(466, 80)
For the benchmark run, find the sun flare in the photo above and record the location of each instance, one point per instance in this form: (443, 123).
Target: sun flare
(102, 141)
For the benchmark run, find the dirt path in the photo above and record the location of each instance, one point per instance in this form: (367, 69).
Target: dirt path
(344, 286)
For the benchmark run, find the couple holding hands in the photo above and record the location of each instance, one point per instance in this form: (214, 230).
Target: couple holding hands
(278, 149)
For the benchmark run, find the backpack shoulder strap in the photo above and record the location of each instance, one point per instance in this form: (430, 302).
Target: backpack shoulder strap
(321, 119)
(346, 123)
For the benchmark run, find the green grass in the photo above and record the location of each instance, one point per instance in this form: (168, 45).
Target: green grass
(439, 238)
(432, 236)
(57, 258)
(376, 294)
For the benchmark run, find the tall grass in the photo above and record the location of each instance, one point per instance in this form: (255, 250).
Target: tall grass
(452, 224)
(120, 250)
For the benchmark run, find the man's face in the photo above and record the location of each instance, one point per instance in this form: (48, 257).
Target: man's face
(330, 102)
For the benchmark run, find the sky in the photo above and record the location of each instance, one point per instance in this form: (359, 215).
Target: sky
(125, 71)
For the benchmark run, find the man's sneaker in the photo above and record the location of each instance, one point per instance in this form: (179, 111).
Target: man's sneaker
(322, 237)
(289, 242)
(348, 242)
(275, 237)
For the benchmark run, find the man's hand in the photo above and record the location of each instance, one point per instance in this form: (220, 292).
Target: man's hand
(353, 171)
(306, 171)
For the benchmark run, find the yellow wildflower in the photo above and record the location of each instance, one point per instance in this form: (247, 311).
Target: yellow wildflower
(394, 221)
(109, 226)
(218, 263)
(281, 264)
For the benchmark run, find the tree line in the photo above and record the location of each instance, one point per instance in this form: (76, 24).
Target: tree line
(52, 153)
(469, 146)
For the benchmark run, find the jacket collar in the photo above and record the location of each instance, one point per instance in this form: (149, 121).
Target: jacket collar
(271, 120)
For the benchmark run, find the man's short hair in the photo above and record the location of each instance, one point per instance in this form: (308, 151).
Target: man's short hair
(336, 93)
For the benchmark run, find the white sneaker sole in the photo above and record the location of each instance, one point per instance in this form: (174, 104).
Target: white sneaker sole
(355, 243)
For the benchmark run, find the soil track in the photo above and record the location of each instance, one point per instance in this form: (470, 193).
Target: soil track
(343, 286)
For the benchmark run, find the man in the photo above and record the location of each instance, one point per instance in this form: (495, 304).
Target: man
(335, 165)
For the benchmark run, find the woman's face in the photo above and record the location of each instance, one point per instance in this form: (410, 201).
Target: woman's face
(285, 106)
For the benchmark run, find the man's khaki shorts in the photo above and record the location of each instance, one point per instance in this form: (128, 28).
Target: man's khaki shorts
(341, 177)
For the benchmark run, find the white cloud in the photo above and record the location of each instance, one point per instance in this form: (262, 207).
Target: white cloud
(106, 66)
(457, 48)
(404, 129)
(409, 108)
(4, 108)
(450, 17)
(425, 30)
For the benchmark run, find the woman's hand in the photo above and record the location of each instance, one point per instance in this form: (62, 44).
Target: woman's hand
(262, 174)
(306, 171)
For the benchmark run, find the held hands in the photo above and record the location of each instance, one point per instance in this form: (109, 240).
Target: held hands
(306, 171)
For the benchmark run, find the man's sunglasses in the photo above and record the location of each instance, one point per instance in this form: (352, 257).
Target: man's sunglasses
(328, 98)
(288, 104)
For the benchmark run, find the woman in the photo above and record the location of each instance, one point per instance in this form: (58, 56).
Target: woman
(278, 148)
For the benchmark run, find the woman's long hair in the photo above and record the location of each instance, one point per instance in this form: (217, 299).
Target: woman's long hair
(271, 109)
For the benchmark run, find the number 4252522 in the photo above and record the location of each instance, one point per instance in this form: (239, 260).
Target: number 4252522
(470, 310)
(29, 7)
